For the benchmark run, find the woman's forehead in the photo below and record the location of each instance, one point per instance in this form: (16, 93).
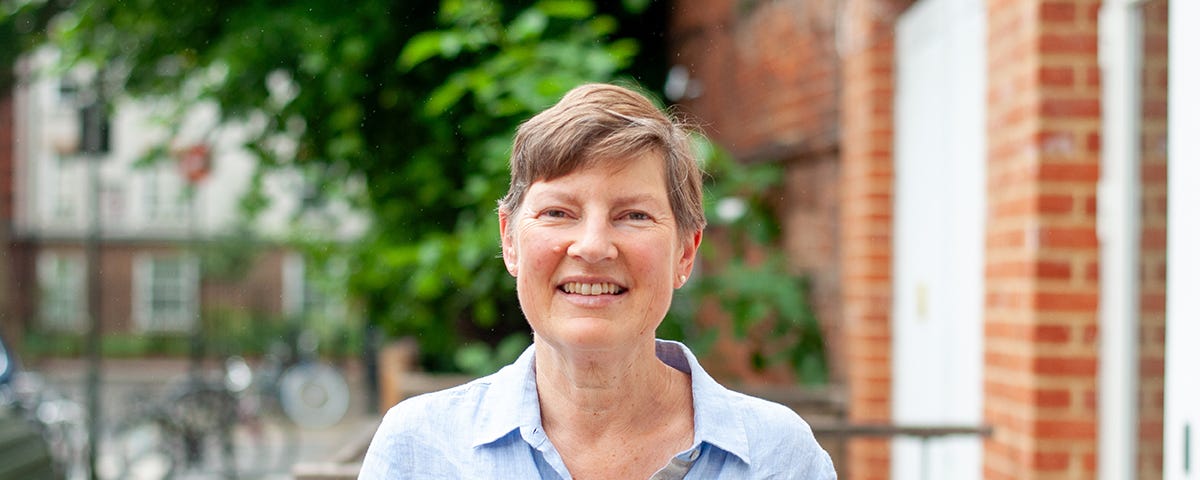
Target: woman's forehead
(627, 182)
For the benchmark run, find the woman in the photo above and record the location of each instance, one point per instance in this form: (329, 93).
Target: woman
(601, 223)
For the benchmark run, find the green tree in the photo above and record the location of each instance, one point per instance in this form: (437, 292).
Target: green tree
(417, 101)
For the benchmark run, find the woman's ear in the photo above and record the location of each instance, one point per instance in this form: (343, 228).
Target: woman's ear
(508, 247)
(687, 258)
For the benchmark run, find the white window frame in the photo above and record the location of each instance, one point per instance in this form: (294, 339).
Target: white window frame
(181, 320)
(303, 296)
(62, 279)
(164, 197)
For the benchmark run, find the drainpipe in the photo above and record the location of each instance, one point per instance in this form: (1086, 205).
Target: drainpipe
(1118, 227)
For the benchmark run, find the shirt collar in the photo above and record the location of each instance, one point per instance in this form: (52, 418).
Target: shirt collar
(716, 422)
(511, 403)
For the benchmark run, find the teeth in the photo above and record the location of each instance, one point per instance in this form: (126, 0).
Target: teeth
(591, 288)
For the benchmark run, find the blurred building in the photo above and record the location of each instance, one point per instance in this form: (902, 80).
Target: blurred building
(979, 191)
(171, 252)
(8, 324)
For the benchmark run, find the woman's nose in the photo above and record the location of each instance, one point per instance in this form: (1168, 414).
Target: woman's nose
(593, 243)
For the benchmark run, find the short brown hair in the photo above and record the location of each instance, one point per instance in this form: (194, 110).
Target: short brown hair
(604, 123)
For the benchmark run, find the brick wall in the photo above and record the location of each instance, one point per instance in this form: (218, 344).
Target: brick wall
(1041, 266)
(259, 292)
(767, 73)
(1042, 259)
(866, 217)
(1153, 242)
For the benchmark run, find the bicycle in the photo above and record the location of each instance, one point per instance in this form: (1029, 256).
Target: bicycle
(311, 393)
(58, 420)
(202, 427)
(240, 423)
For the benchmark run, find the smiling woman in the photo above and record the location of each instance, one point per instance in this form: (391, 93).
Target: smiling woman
(601, 223)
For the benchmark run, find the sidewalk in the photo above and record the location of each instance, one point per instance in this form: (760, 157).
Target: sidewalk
(122, 379)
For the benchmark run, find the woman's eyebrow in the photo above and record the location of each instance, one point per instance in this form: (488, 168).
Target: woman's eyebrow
(570, 196)
(560, 195)
(635, 199)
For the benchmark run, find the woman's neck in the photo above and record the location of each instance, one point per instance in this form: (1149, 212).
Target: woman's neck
(618, 392)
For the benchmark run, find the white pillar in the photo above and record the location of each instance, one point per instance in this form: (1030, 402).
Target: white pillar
(1119, 230)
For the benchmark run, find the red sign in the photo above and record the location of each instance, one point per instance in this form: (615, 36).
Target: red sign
(194, 162)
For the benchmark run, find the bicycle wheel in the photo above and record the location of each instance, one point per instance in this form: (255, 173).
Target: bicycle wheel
(314, 395)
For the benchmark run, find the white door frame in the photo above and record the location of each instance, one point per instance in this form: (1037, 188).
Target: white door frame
(1181, 423)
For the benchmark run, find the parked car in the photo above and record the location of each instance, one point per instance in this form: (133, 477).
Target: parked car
(34, 426)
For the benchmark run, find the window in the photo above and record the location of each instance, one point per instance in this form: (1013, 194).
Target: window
(112, 201)
(166, 290)
(61, 287)
(165, 198)
(64, 178)
(309, 291)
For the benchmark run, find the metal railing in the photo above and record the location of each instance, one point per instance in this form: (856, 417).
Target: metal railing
(924, 433)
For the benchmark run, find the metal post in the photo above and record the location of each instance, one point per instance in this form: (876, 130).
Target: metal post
(196, 337)
(93, 118)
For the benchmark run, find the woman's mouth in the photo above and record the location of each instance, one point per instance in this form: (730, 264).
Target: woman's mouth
(579, 288)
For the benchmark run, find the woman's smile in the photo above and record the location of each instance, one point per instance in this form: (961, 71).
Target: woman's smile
(591, 289)
(592, 294)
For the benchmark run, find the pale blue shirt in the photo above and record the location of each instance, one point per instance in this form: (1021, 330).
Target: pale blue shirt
(491, 428)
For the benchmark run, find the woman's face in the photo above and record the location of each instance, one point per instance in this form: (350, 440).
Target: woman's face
(597, 255)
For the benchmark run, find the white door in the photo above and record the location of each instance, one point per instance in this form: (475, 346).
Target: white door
(940, 194)
(1181, 427)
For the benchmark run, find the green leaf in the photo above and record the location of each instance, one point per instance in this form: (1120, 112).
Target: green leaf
(528, 25)
(421, 47)
(635, 6)
(567, 9)
(444, 97)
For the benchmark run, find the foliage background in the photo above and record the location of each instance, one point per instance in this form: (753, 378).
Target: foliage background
(408, 110)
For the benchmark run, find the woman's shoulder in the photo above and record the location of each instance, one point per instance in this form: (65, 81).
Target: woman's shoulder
(417, 433)
(781, 440)
(770, 418)
(431, 411)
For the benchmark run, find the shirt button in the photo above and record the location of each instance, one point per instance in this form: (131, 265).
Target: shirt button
(694, 455)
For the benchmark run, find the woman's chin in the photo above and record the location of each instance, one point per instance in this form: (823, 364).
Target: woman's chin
(584, 336)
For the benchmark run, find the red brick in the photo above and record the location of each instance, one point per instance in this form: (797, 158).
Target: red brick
(1063, 301)
(1052, 398)
(1053, 43)
(1056, 76)
(1064, 365)
(1079, 238)
(1069, 172)
(1053, 270)
(1051, 334)
(1057, 107)
(1065, 430)
(1051, 461)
